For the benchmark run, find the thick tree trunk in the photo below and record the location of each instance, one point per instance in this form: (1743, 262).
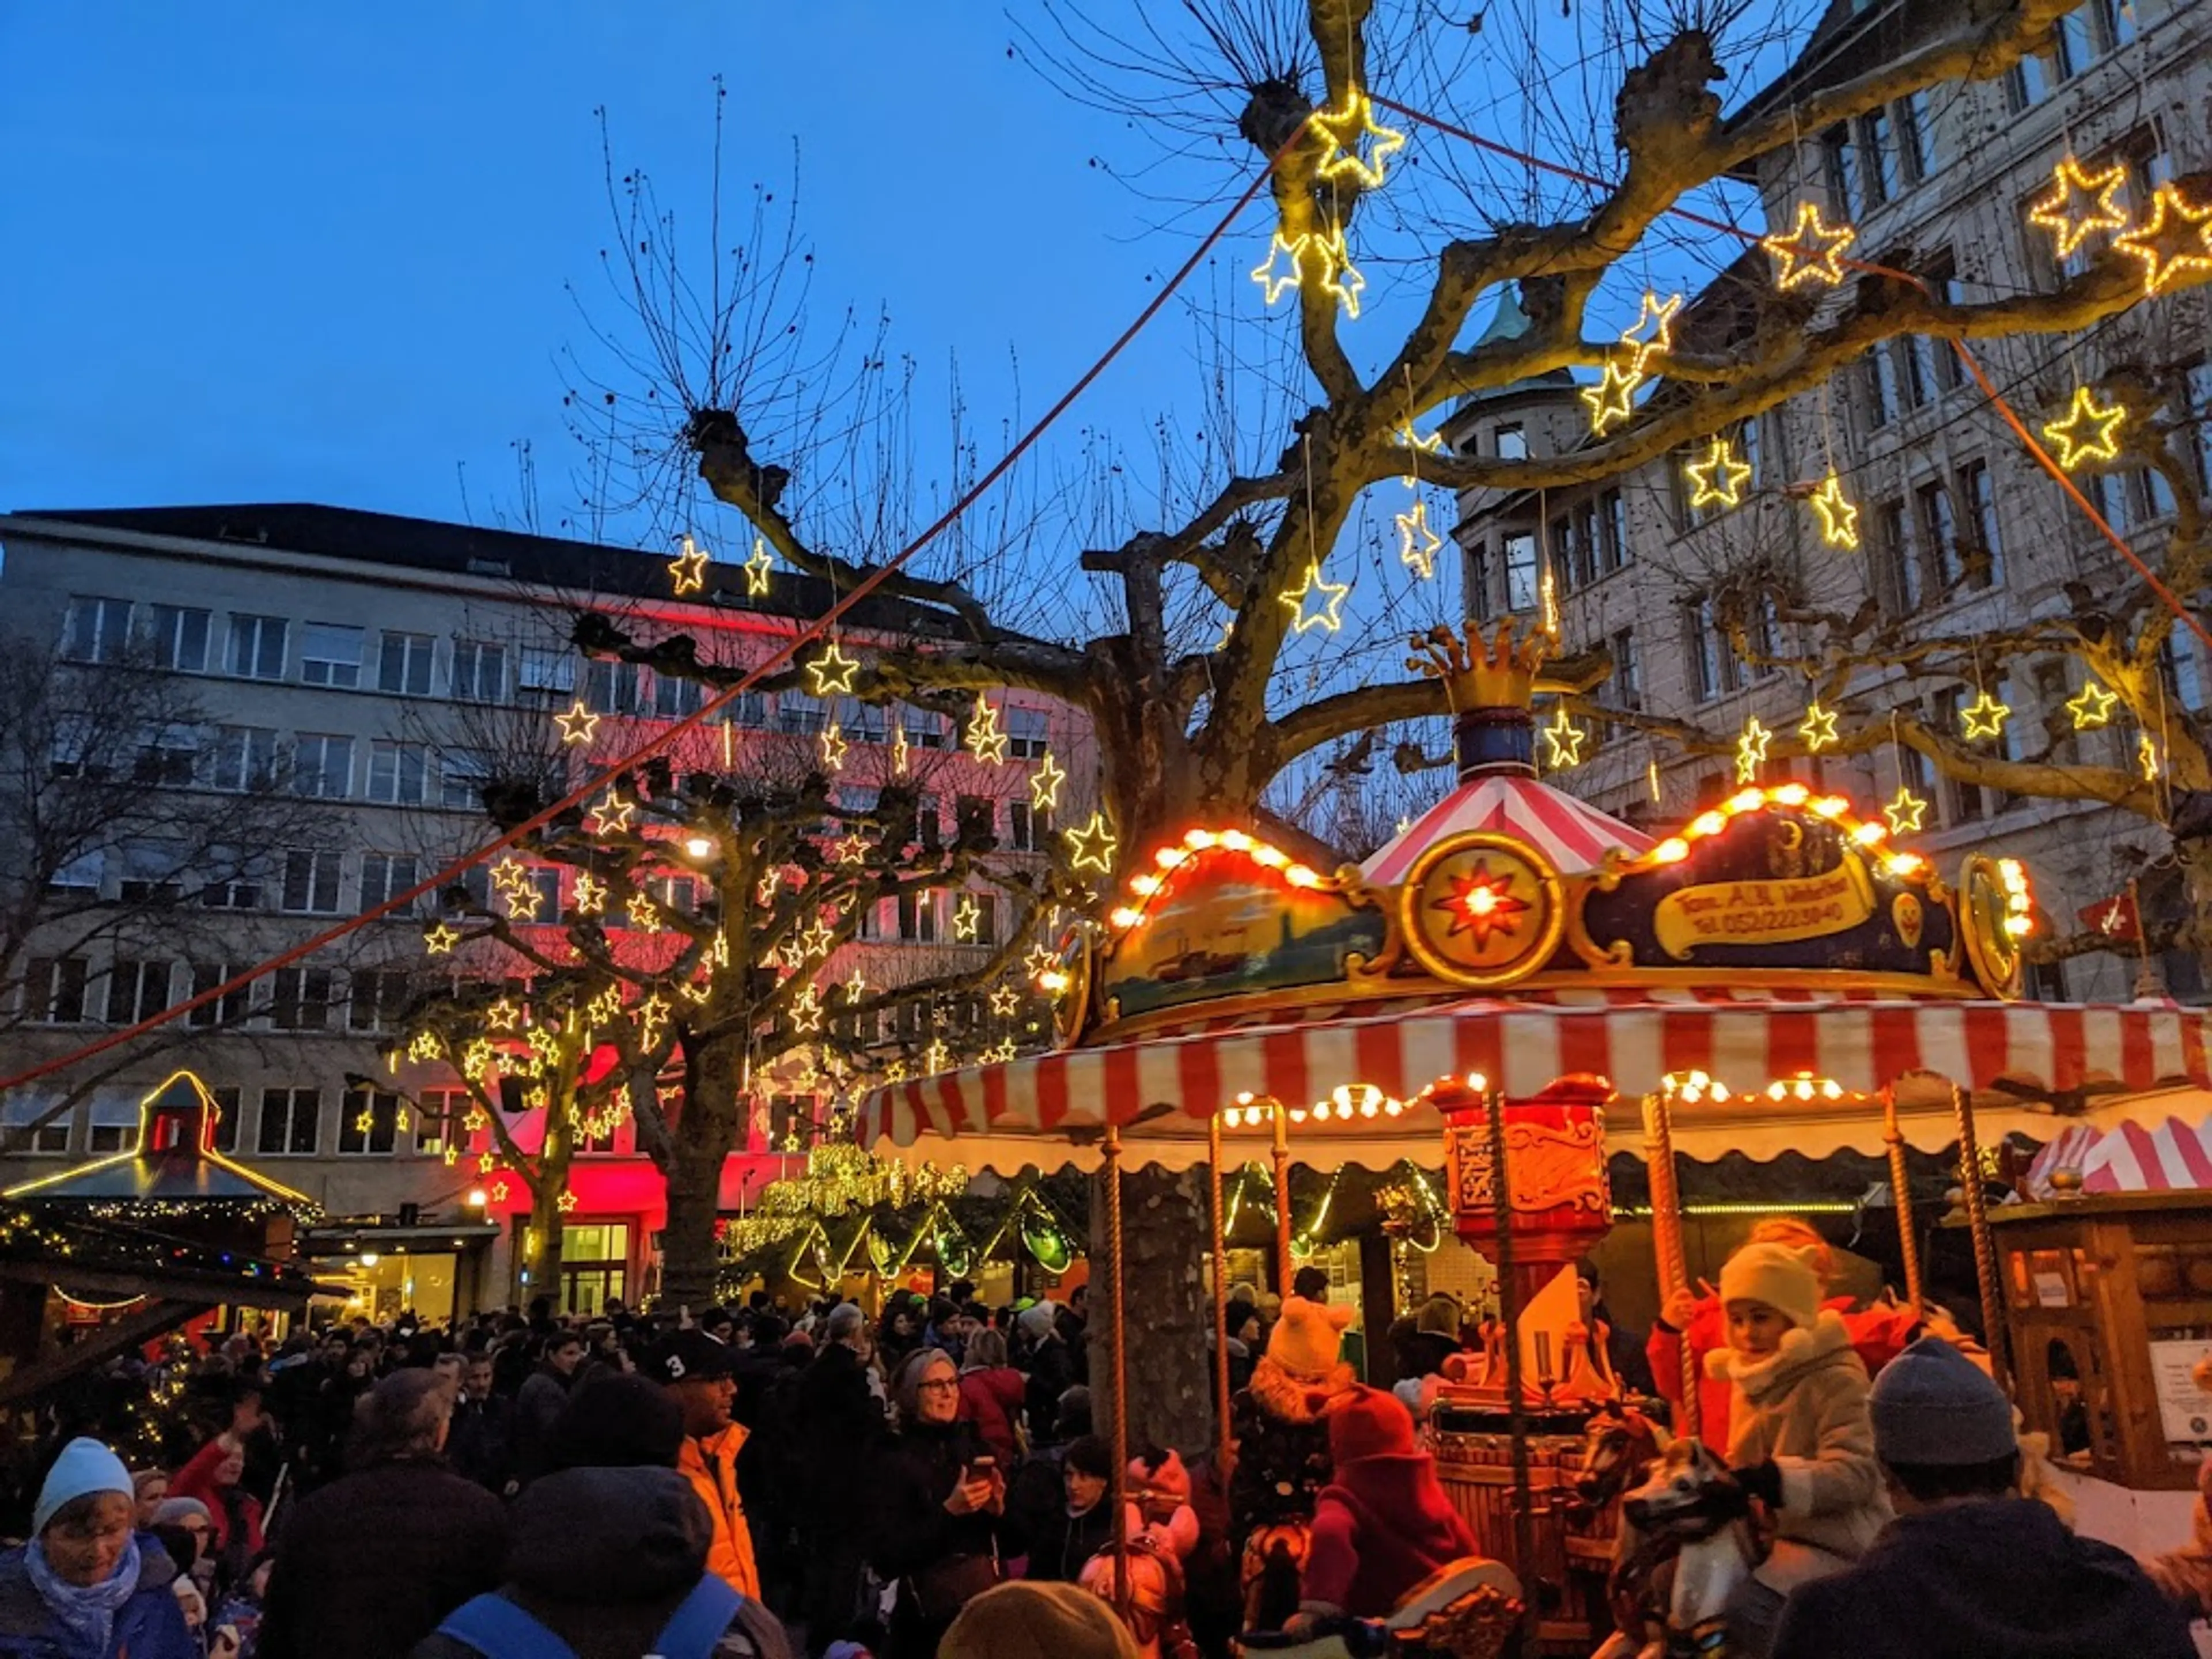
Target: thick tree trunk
(537, 1262)
(1163, 1241)
(704, 1136)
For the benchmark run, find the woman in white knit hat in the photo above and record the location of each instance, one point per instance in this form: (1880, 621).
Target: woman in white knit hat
(88, 1585)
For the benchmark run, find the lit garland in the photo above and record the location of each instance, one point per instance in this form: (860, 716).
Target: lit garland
(1863, 834)
(2020, 897)
(1146, 884)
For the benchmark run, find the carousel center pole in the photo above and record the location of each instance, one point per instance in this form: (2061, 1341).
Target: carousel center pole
(1673, 1263)
(1509, 1307)
(1901, 1196)
(1283, 1269)
(1117, 1305)
(1221, 1404)
(1985, 1245)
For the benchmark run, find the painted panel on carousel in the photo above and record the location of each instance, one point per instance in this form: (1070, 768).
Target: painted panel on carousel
(1224, 913)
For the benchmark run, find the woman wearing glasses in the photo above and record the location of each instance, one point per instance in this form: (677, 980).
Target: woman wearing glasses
(944, 1497)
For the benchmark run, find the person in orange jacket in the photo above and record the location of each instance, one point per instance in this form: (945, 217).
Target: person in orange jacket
(698, 1371)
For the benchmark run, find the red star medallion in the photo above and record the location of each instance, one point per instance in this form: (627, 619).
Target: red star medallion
(1481, 903)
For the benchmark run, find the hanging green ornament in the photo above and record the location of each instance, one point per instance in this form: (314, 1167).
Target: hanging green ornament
(954, 1253)
(1046, 1241)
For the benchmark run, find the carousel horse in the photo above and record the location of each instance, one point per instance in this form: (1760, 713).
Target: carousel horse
(1471, 1609)
(1273, 1568)
(1155, 1617)
(1690, 1514)
(1618, 1444)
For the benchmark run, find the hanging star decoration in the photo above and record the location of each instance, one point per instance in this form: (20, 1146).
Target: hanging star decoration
(1004, 999)
(364, 1120)
(451, 1154)
(502, 1015)
(524, 902)
(900, 749)
(967, 918)
(427, 1045)
(578, 725)
(510, 875)
(857, 987)
(1332, 595)
(2093, 708)
(1482, 904)
(1811, 252)
(441, 939)
(2081, 204)
(2147, 756)
(935, 1057)
(1719, 477)
(1818, 730)
(1092, 846)
(486, 1163)
(1415, 447)
(605, 1006)
(1340, 278)
(1044, 784)
(591, 893)
(644, 914)
(807, 1011)
(766, 889)
(499, 1192)
(1039, 961)
(1751, 749)
(1563, 741)
(1349, 127)
(688, 570)
(985, 741)
(853, 849)
(566, 1203)
(2102, 427)
(1984, 717)
(814, 941)
(1657, 317)
(999, 1053)
(2175, 243)
(652, 1015)
(1652, 334)
(1904, 811)
(1280, 252)
(757, 570)
(1839, 518)
(1416, 542)
(834, 746)
(611, 815)
(477, 1058)
(1612, 399)
(831, 673)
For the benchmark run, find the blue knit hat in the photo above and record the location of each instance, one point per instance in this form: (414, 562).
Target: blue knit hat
(1933, 1406)
(85, 1467)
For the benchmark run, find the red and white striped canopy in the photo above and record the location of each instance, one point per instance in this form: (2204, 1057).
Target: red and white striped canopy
(1572, 834)
(2005, 1053)
(2137, 1155)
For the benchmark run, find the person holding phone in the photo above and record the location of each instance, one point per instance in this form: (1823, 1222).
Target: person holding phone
(936, 1529)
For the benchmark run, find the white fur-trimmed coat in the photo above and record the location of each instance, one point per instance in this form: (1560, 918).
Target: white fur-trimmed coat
(1804, 1407)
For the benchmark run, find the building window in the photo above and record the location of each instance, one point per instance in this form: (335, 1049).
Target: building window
(153, 872)
(114, 1122)
(385, 876)
(1877, 157)
(928, 823)
(53, 990)
(1029, 829)
(1626, 688)
(96, 630)
(226, 1109)
(403, 664)
(1879, 378)
(440, 1110)
(748, 709)
(1512, 442)
(137, 991)
(611, 688)
(2197, 389)
(290, 1122)
(376, 999)
(1613, 516)
(545, 880)
(2027, 83)
(2182, 658)
(399, 772)
(872, 923)
(798, 714)
(1482, 582)
(1028, 732)
(1941, 275)
(675, 697)
(1840, 168)
(917, 918)
(1521, 575)
(1917, 353)
(463, 776)
(20, 1109)
(550, 671)
(322, 766)
(310, 882)
(925, 727)
(168, 757)
(594, 1267)
(178, 636)
(256, 646)
(1984, 551)
(1938, 534)
(1708, 653)
(300, 999)
(244, 758)
(1963, 802)
(480, 672)
(330, 654)
(368, 1122)
(228, 1009)
(1916, 138)
(1563, 552)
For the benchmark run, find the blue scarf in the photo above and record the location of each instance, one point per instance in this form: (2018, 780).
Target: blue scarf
(85, 1612)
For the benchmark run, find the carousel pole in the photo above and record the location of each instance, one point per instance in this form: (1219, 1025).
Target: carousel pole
(1509, 1308)
(1986, 1246)
(1283, 1269)
(1109, 1172)
(1221, 1406)
(1673, 1262)
(1901, 1195)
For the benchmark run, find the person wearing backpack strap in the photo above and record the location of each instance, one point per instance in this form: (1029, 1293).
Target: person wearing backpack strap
(610, 1564)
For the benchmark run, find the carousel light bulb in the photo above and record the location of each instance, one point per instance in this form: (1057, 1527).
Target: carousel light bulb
(1870, 835)
(1789, 795)
(1673, 850)
(1708, 823)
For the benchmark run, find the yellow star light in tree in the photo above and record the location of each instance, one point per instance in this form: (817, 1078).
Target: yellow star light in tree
(579, 725)
(486, 1163)
(854, 849)
(967, 917)
(688, 570)
(1904, 810)
(1044, 784)
(1819, 729)
(547, 1047)
(2079, 204)
(510, 875)
(1652, 334)
(477, 1058)
(1039, 961)
(1811, 252)
(935, 1057)
(1092, 846)
(611, 815)
(894, 1072)
(644, 914)
(1349, 127)
(1004, 999)
(807, 1011)
(2176, 243)
(1719, 478)
(1340, 278)
(834, 746)
(523, 903)
(499, 1192)
(831, 673)
(1415, 447)
(769, 884)
(1839, 518)
(1284, 252)
(999, 1053)
(502, 1015)
(2147, 756)
(451, 1154)
(1612, 400)
(364, 1120)
(426, 1046)
(985, 741)
(1416, 542)
(2087, 433)
(1751, 749)
(590, 894)
(1563, 741)
(441, 939)
(758, 569)
(814, 941)
(652, 1015)
(474, 1120)
(566, 1203)
(857, 987)
(605, 1006)
(2093, 708)
(401, 1120)
(1984, 717)
(1332, 595)
(900, 749)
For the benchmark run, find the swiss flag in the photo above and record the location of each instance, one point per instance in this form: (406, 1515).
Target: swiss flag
(2115, 918)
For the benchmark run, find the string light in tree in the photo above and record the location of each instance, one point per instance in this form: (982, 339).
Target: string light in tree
(578, 726)
(1415, 447)
(1044, 784)
(502, 1015)
(807, 1011)
(1004, 999)
(2091, 707)
(2087, 433)
(1092, 846)
(652, 1015)
(1812, 254)
(1612, 399)
(1840, 517)
(986, 741)
(2175, 243)
(834, 746)
(644, 916)
(1819, 728)
(1652, 334)
(1751, 749)
(440, 938)
(1563, 741)
(967, 918)
(814, 941)
(831, 673)
(2148, 757)
(523, 903)
(1283, 251)
(857, 987)
(2079, 204)
(1904, 810)
(590, 894)
(688, 570)
(1719, 477)
(757, 570)
(1416, 542)
(1984, 717)
(611, 815)
(1332, 595)
(1349, 128)
(853, 849)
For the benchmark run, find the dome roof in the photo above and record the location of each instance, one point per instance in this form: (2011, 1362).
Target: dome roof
(1572, 834)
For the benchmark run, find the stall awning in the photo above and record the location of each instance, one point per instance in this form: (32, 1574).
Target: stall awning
(2008, 1054)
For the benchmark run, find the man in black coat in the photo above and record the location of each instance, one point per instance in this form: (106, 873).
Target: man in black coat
(479, 1444)
(837, 1431)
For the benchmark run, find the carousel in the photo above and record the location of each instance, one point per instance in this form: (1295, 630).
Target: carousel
(1534, 985)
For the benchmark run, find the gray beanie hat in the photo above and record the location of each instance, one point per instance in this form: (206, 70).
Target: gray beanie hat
(1933, 1406)
(170, 1510)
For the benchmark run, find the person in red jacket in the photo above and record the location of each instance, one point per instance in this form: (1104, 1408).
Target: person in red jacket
(212, 1476)
(1383, 1524)
(991, 1395)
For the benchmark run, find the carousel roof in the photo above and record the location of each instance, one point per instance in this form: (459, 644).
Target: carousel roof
(1571, 832)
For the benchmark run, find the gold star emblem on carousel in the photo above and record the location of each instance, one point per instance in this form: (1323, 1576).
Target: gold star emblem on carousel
(579, 725)
(2101, 427)
(1092, 846)
(1004, 999)
(1416, 542)
(2093, 708)
(611, 815)
(1751, 749)
(688, 570)
(1044, 784)
(1904, 811)
(2177, 242)
(1332, 595)
(1811, 252)
(1839, 518)
(441, 939)
(1482, 904)
(1563, 741)
(2081, 204)
(1819, 729)
(1984, 717)
(831, 673)
(757, 570)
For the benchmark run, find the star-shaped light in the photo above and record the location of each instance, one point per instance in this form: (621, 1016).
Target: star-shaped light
(611, 815)
(1284, 252)
(1039, 961)
(1984, 717)
(2146, 758)
(985, 741)
(2093, 708)
(578, 725)
(758, 569)
(766, 889)
(688, 570)
(451, 1154)
(900, 749)
(1612, 400)
(936, 1057)
(524, 902)
(652, 1015)
(364, 1120)
(502, 1015)
(1349, 127)
(853, 849)
(1751, 749)
(427, 1045)
(441, 939)
(967, 918)
(510, 874)
(486, 1163)
(894, 1072)
(1839, 518)
(831, 673)
(605, 1006)
(1811, 252)
(1092, 846)
(857, 987)
(1482, 904)
(644, 916)
(590, 894)
(2087, 433)
(814, 941)
(807, 1011)
(475, 1121)
(1652, 334)
(999, 1053)
(1332, 596)
(1044, 784)
(1415, 447)
(2080, 203)
(834, 746)
(477, 1058)
(2175, 243)
(1339, 277)
(566, 1203)
(1904, 810)
(499, 1192)
(1719, 477)
(1563, 741)
(1004, 999)
(1819, 729)
(1416, 542)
